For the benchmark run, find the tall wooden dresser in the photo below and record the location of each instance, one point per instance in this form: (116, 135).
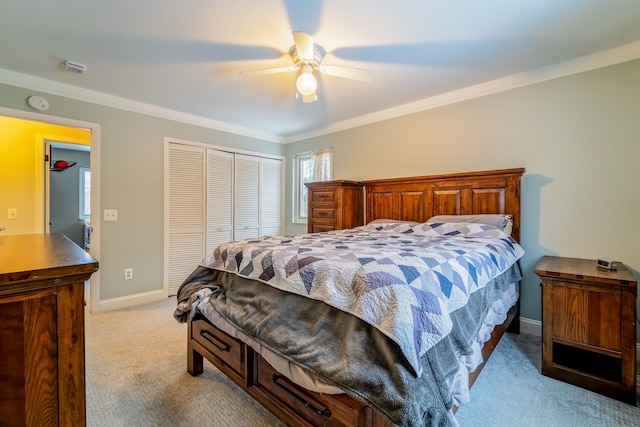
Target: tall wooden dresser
(42, 375)
(335, 205)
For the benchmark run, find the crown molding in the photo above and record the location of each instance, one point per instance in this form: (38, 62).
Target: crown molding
(618, 55)
(68, 91)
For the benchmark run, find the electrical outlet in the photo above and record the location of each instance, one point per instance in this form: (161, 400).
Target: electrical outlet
(110, 214)
(128, 273)
(12, 213)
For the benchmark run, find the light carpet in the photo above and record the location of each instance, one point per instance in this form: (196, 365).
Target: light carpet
(136, 376)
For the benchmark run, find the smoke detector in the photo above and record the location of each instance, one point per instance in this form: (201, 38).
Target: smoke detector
(76, 67)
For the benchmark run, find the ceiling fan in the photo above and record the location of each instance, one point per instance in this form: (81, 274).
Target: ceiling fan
(307, 59)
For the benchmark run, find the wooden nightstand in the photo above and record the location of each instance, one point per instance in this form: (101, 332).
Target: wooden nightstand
(334, 205)
(589, 325)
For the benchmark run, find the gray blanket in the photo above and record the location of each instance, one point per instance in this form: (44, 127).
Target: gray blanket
(342, 349)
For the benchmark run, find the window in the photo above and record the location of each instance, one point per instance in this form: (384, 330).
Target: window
(85, 193)
(308, 167)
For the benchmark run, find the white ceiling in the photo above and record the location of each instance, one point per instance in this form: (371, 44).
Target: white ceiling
(184, 57)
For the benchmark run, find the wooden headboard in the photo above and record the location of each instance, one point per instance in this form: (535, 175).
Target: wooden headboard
(419, 198)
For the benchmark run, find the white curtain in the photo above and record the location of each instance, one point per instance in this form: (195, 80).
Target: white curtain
(321, 166)
(312, 167)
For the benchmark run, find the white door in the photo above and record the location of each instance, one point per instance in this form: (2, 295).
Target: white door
(246, 219)
(185, 213)
(219, 198)
(271, 193)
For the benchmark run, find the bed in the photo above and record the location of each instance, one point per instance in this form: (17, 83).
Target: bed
(360, 327)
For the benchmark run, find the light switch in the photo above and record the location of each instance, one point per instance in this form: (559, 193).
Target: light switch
(110, 214)
(12, 213)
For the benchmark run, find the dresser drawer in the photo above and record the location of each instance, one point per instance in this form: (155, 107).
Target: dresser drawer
(317, 408)
(321, 227)
(224, 347)
(319, 196)
(322, 213)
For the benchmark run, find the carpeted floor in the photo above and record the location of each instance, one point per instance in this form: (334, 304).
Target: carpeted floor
(136, 373)
(136, 376)
(510, 391)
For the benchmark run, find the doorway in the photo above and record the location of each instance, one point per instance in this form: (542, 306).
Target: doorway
(37, 178)
(68, 194)
(67, 190)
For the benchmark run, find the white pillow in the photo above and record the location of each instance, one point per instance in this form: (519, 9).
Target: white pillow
(503, 222)
(388, 221)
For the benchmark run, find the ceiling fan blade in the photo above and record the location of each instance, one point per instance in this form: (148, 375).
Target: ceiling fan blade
(345, 72)
(304, 45)
(264, 71)
(304, 15)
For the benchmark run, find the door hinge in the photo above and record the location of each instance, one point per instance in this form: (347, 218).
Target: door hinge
(46, 157)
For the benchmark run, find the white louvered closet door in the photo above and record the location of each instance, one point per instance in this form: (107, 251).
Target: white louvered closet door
(271, 197)
(186, 219)
(219, 198)
(246, 221)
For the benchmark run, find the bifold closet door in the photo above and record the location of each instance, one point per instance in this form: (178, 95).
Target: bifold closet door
(219, 198)
(246, 218)
(185, 213)
(271, 197)
(213, 197)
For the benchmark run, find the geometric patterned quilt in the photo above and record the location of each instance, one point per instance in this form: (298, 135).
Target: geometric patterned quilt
(402, 278)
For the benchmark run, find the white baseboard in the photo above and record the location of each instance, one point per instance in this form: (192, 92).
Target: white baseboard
(534, 327)
(530, 326)
(130, 300)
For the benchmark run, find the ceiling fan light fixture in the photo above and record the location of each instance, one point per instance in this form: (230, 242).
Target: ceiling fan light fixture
(306, 82)
(307, 59)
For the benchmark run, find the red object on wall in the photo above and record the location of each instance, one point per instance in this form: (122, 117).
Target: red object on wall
(60, 164)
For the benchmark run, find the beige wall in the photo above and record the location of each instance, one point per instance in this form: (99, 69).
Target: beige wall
(577, 136)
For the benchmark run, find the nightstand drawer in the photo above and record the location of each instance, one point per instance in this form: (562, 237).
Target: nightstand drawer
(590, 316)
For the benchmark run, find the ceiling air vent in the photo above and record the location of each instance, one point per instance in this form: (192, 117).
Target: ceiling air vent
(76, 67)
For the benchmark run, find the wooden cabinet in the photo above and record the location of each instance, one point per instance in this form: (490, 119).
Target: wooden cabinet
(588, 325)
(334, 205)
(42, 374)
